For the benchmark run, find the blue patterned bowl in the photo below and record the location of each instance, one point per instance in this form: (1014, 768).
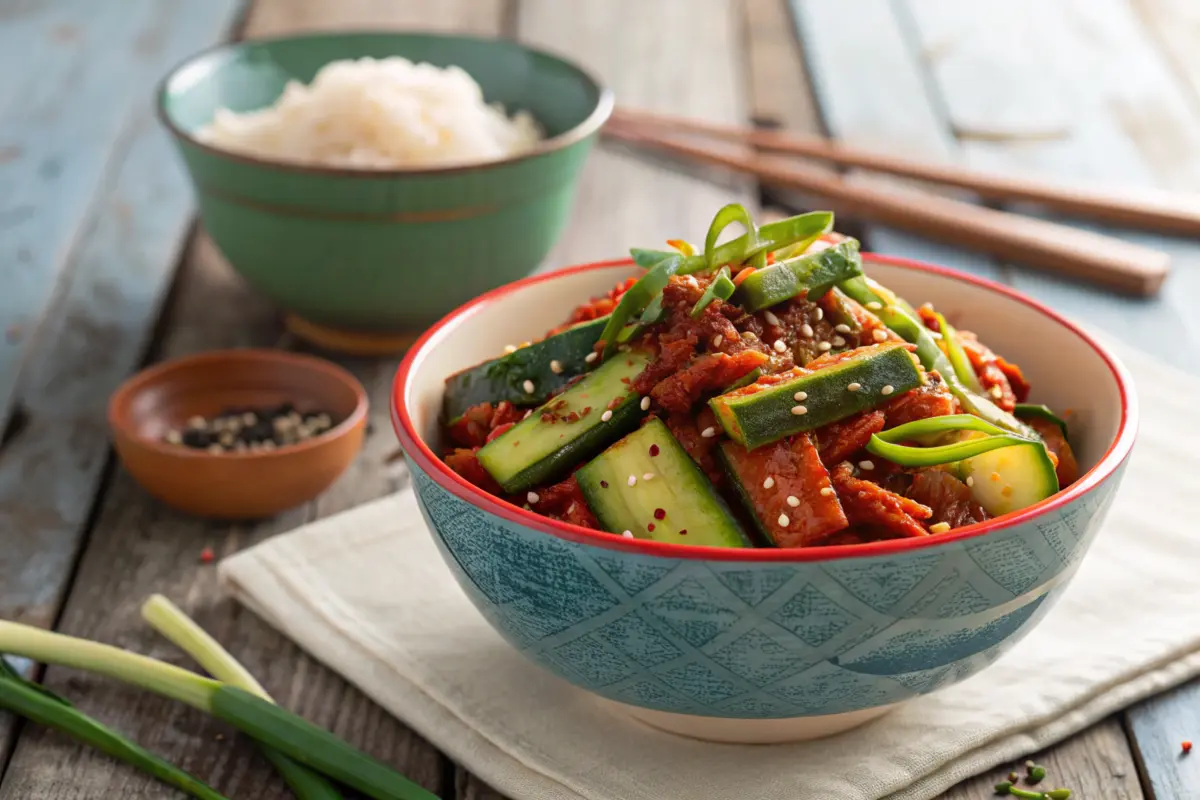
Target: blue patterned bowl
(768, 645)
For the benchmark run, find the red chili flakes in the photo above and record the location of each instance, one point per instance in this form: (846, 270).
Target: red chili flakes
(207, 555)
(660, 513)
(683, 532)
(654, 450)
(603, 484)
(1186, 747)
(650, 527)
(499, 430)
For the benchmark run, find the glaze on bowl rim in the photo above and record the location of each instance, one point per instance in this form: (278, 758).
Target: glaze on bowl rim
(416, 448)
(210, 57)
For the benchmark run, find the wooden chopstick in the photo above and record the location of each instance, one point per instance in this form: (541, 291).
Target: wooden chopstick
(1074, 253)
(1163, 211)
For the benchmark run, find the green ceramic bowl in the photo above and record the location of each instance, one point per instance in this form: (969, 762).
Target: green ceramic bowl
(366, 257)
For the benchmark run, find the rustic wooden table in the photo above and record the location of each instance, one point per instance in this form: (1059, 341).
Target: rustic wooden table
(102, 271)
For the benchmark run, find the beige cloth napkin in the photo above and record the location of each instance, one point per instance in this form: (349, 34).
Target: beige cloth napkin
(367, 593)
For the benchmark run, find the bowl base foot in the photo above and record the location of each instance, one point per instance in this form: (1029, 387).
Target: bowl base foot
(349, 342)
(751, 731)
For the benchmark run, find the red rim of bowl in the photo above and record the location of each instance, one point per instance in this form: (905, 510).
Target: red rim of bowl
(415, 448)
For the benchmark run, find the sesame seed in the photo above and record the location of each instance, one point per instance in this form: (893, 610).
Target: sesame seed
(806, 330)
(854, 387)
(875, 305)
(939, 527)
(769, 482)
(824, 347)
(783, 520)
(879, 334)
(868, 465)
(527, 386)
(532, 497)
(556, 367)
(970, 481)
(750, 336)
(827, 491)
(842, 327)
(510, 348)
(717, 340)
(645, 404)
(606, 416)
(886, 390)
(838, 341)
(709, 432)
(527, 414)
(632, 480)
(997, 392)
(590, 357)
(771, 318)
(649, 476)
(820, 315)
(800, 397)
(627, 534)
(780, 346)
(793, 501)
(799, 411)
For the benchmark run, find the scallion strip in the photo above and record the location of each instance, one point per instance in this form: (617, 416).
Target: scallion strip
(638, 298)
(267, 723)
(958, 356)
(33, 702)
(907, 456)
(894, 314)
(721, 287)
(729, 214)
(166, 618)
(921, 429)
(802, 228)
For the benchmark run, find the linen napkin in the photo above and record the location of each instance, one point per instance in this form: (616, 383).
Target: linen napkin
(367, 593)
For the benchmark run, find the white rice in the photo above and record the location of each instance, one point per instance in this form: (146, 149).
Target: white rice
(377, 114)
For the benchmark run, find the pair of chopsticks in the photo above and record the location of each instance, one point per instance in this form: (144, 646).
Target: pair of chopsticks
(1071, 252)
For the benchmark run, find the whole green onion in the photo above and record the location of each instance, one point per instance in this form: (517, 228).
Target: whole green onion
(166, 618)
(33, 702)
(261, 720)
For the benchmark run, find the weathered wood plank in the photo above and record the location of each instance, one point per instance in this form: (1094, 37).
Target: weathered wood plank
(1128, 121)
(680, 57)
(157, 550)
(1094, 763)
(871, 93)
(94, 333)
(1157, 728)
(69, 68)
(274, 18)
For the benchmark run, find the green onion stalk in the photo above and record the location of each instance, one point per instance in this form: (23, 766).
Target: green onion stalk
(884, 444)
(794, 233)
(260, 719)
(33, 702)
(893, 313)
(166, 618)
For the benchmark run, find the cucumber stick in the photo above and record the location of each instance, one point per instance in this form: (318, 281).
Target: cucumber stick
(570, 428)
(526, 376)
(756, 415)
(647, 484)
(805, 275)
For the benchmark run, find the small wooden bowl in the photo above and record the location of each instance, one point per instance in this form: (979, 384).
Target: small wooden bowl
(236, 486)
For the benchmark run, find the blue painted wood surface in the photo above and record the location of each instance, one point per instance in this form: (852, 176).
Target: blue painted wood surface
(93, 210)
(1067, 90)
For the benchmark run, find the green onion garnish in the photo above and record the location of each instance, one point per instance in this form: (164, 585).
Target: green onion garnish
(722, 286)
(958, 356)
(166, 618)
(33, 702)
(261, 720)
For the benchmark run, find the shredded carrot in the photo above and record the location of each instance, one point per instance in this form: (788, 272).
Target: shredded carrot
(743, 273)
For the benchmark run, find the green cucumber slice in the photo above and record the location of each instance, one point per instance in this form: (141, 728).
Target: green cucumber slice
(758, 414)
(548, 365)
(1010, 478)
(809, 275)
(648, 485)
(537, 451)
